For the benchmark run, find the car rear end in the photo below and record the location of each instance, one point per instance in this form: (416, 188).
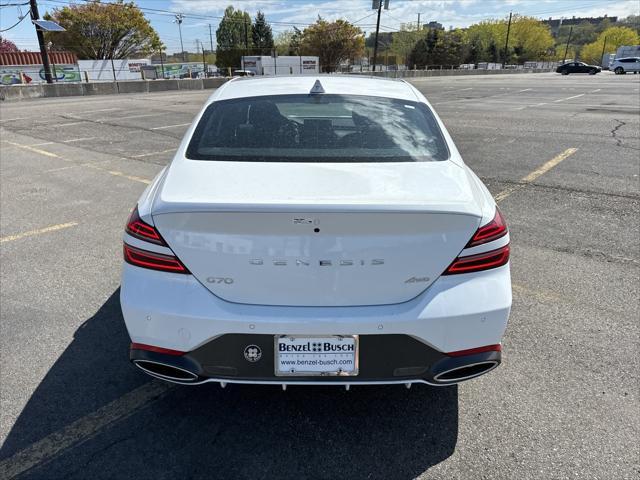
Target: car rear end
(333, 270)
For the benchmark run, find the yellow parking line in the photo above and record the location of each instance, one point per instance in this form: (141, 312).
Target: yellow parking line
(153, 153)
(53, 155)
(82, 429)
(39, 231)
(130, 177)
(536, 173)
(35, 150)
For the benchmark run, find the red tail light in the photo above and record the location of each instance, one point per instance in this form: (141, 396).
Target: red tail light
(153, 348)
(152, 260)
(477, 263)
(487, 348)
(493, 230)
(136, 227)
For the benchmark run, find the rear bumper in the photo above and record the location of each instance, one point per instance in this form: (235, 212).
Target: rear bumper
(457, 312)
(382, 358)
(401, 343)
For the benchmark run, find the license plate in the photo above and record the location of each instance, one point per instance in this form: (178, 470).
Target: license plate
(329, 355)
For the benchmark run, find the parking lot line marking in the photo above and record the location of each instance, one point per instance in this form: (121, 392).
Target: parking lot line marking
(525, 90)
(33, 149)
(90, 165)
(39, 231)
(153, 153)
(101, 110)
(69, 124)
(596, 90)
(569, 98)
(78, 139)
(130, 177)
(528, 106)
(141, 116)
(171, 126)
(117, 173)
(12, 119)
(82, 429)
(536, 174)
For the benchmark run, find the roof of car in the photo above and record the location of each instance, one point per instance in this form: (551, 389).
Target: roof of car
(302, 84)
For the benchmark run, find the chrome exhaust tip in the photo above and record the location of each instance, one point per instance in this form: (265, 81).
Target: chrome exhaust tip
(166, 372)
(466, 372)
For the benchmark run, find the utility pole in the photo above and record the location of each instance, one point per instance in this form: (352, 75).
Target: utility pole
(246, 42)
(178, 20)
(204, 61)
(506, 44)
(162, 63)
(418, 22)
(375, 45)
(43, 48)
(604, 46)
(567, 47)
(211, 38)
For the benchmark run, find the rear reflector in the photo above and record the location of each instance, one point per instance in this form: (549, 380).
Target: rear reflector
(487, 348)
(136, 227)
(477, 263)
(152, 348)
(152, 260)
(493, 230)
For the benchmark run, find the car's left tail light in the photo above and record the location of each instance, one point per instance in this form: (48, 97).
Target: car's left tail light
(164, 262)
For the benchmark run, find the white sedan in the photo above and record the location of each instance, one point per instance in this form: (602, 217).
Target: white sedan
(316, 230)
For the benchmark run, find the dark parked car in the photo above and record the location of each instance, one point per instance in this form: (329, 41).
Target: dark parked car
(578, 67)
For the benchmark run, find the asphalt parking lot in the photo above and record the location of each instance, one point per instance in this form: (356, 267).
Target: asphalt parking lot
(562, 155)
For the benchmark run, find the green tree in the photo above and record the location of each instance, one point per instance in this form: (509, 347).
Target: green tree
(403, 41)
(334, 42)
(616, 37)
(262, 35)
(233, 37)
(100, 31)
(438, 47)
(492, 53)
(632, 22)
(530, 39)
(474, 51)
(288, 42)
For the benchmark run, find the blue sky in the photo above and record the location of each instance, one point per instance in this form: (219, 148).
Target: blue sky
(286, 13)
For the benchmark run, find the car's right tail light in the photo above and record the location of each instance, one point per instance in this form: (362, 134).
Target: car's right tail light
(479, 262)
(138, 228)
(494, 230)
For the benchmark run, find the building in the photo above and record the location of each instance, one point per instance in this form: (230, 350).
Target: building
(433, 26)
(284, 65)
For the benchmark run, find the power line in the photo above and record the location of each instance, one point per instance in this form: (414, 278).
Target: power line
(17, 23)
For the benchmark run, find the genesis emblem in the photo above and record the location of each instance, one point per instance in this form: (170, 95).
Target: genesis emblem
(252, 353)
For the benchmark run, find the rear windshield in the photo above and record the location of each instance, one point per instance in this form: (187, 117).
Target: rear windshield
(317, 128)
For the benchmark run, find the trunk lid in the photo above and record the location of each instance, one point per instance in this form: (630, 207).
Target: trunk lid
(317, 234)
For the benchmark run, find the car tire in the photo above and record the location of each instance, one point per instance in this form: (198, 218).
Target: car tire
(619, 71)
(593, 71)
(564, 72)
